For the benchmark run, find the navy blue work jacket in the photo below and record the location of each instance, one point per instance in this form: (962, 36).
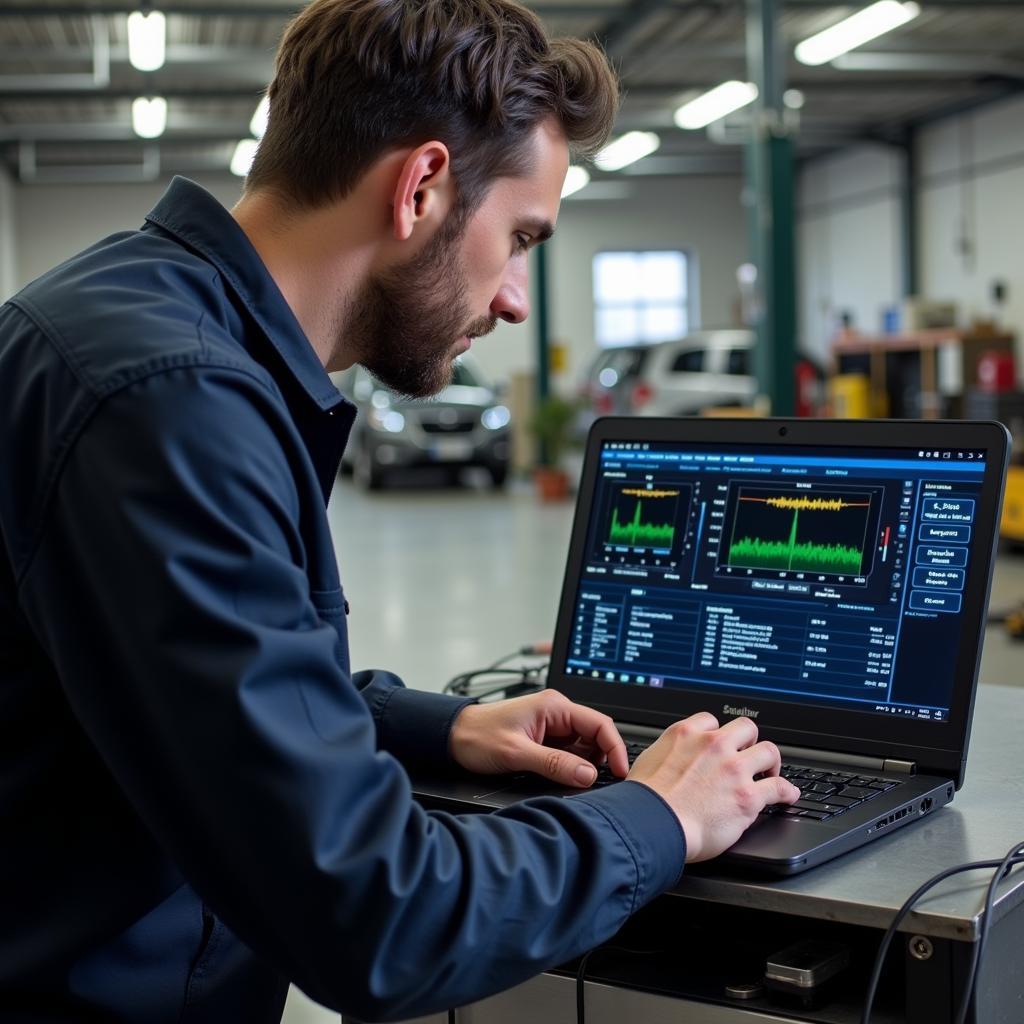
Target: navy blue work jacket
(199, 801)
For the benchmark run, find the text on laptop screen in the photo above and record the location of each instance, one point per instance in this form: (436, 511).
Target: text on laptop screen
(831, 577)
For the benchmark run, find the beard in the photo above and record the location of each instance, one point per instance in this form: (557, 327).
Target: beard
(405, 322)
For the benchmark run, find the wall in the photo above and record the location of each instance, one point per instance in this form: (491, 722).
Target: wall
(970, 213)
(848, 237)
(54, 222)
(971, 210)
(701, 215)
(7, 235)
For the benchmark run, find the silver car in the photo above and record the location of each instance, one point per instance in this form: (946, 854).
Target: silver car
(674, 378)
(465, 425)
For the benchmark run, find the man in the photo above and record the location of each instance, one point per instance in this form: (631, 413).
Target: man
(199, 801)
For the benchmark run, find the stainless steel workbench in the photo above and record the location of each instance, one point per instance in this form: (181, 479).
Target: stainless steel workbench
(868, 887)
(854, 898)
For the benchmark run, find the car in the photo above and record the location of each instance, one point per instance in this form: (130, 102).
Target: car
(465, 425)
(703, 370)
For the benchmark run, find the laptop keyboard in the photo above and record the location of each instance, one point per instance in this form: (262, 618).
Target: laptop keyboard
(823, 793)
(604, 773)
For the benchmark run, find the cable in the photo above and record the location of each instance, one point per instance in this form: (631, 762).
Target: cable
(581, 972)
(1011, 860)
(491, 681)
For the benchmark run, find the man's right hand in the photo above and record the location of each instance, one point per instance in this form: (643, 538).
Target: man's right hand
(717, 780)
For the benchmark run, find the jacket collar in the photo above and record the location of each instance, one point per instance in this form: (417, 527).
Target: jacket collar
(189, 213)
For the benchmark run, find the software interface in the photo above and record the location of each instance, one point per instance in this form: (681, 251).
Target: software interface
(832, 577)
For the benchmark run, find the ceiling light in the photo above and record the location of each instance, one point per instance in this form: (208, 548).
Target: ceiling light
(856, 30)
(258, 124)
(627, 150)
(149, 117)
(575, 179)
(715, 104)
(242, 158)
(147, 40)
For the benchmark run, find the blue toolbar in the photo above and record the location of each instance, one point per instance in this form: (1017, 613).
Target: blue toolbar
(976, 466)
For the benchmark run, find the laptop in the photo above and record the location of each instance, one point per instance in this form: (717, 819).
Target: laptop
(827, 579)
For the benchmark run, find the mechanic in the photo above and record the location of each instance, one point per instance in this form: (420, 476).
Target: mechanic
(199, 801)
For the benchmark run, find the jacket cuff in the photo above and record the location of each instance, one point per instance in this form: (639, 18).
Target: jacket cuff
(414, 725)
(651, 831)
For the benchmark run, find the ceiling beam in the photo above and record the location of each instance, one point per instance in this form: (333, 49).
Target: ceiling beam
(821, 85)
(615, 33)
(1001, 90)
(28, 9)
(912, 53)
(169, 90)
(180, 128)
(176, 53)
(23, 9)
(795, 5)
(189, 89)
(255, 66)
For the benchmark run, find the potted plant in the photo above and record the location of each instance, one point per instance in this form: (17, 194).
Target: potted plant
(552, 424)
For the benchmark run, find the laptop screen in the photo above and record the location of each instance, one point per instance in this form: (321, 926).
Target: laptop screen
(824, 576)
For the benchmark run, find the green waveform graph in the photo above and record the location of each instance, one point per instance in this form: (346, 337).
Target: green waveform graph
(802, 556)
(637, 533)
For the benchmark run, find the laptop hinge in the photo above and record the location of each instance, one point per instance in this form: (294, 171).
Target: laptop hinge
(876, 764)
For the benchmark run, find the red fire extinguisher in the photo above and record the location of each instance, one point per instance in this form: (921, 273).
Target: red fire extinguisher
(808, 390)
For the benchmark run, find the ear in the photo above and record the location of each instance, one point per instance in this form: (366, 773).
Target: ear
(424, 190)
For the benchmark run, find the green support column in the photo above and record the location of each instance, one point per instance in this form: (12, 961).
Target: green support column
(769, 194)
(908, 214)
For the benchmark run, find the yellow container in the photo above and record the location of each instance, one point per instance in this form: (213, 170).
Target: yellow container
(1011, 525)
(849, 395)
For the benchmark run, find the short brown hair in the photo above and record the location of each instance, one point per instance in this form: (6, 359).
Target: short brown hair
(357, 78)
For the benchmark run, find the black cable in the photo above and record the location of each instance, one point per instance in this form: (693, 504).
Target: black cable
(581, 972)
(489, 682)
(460, 683)
(1009, 861)
(1012, 858)
(510, 690)
(451, 1017)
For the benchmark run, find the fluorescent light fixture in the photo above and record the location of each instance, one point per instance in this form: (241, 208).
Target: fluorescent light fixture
(715, 104)
(575, 179)
(258, 124)
(860, 28)
(149, 117)
(627, 150)
(147, 40)
(243, 156)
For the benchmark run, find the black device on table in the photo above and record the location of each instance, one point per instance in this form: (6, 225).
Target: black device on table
(828, 579)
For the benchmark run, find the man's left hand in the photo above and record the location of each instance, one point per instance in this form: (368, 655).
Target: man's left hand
(542, 732)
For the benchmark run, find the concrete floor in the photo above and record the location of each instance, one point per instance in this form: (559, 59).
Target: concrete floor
(441, 580)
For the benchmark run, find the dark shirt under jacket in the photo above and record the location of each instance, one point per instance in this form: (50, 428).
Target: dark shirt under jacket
(198, 799)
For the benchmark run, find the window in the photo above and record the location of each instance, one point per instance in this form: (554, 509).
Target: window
(738, 362)
(640, 297)
(691, 361)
